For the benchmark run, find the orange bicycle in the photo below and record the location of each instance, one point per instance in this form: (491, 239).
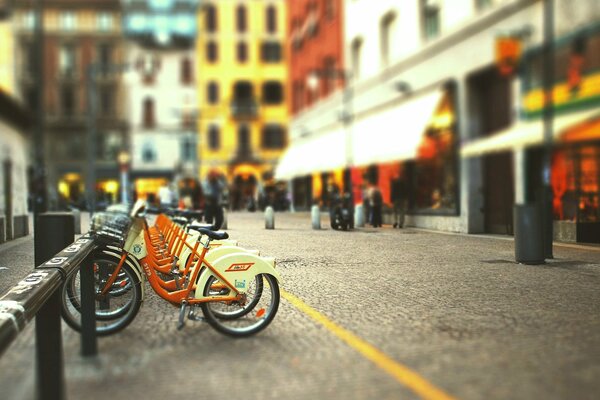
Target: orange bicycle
(238, 293)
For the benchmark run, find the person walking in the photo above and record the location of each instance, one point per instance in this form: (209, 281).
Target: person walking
(376, 206)
(398, 201)
(213, 195)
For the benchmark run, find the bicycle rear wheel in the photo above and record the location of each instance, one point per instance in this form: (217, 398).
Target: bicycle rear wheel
(233, 310)
(253, 321)
(116, 309)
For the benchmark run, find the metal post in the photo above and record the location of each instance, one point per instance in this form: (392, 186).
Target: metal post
(39, 182)
(269, 218)
(89, 341)
(54, 232)
(547, 215)
(91, 138)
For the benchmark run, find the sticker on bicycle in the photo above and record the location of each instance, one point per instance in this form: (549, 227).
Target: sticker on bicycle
(137, 249)
(239, 267)
(240, 284)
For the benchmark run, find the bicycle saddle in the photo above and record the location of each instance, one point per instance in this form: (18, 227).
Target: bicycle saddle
(209, 232)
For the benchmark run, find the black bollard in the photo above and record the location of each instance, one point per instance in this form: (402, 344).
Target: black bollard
(53, 232)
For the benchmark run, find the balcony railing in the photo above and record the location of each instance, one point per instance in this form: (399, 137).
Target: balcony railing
(244, 109)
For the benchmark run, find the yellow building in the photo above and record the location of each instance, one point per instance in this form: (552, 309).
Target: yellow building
(243, 108)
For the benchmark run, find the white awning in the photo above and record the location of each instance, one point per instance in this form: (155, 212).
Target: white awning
(312, 155)
(525, 134)
(393, 134)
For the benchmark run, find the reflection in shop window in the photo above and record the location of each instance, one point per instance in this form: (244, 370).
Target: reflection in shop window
(434, 178)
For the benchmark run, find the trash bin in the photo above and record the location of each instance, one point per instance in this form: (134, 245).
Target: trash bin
(529, 244)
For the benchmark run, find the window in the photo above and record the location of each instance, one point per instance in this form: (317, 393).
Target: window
(149, 121)
(67, 100)
(106, 101)
(242, 52)
(186, 71)
(105, 57)
(212, 93)
(241, 21)
(214, 137)
(356, 53)
(298, 99)
(431, 18)
(67, 60)
(386, 31)
(273, 136)
(483, 4)
(148, 153)
(270, 52)
(271, 19)
(68, 21)
(272, 92)
(332, 75)
(330, 9)
(188, 149)
(104, 21)
(244, 140)
(212, 52)
(243, 91)
(211, 19)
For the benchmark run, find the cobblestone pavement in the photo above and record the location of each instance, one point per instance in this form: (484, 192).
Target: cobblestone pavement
(454, 309)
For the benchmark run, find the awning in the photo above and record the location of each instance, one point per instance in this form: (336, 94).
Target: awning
(394, 134)
(526, 134)
(312, 155)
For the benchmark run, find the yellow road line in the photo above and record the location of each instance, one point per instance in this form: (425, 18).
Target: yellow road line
(401, 373)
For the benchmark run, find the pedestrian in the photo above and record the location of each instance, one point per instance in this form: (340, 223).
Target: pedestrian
(165, 196)
(398, 201)
(366, 204)
(376, 200)
(213, 193)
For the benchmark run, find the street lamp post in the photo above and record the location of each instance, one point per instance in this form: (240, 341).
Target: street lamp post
(124, 158)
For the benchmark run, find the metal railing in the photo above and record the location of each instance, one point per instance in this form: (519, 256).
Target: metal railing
(39, 295)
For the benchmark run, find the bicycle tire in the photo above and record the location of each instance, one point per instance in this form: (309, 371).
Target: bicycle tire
(107, 322)
(264, 316)
(233, 311)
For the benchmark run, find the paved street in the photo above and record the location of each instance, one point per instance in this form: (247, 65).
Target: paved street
(374, 313)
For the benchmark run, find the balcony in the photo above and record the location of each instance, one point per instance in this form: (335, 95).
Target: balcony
(244, 109)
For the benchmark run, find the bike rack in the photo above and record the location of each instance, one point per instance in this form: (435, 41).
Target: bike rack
(38, 295)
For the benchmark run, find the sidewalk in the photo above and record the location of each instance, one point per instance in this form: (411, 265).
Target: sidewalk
(455, 309)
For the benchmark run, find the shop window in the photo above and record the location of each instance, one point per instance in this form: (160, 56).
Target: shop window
(271, 52)
(188, 149)
(211, 18)
(213, 93)
(271, 19)
(104, 21)
(273, 136)
(272, 92)
(212, 52)
(67, 20)
(214, 138)
(434, 179)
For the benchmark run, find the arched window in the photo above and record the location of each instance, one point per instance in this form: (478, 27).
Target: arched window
(242, 52)
(241, 16)
(212, 52)
(213, 92)
(271, 19)
(186, 71)
(211, 18)
(214, 137)
(148, 106)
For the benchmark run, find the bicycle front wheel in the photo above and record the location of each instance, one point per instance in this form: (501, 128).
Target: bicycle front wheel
(255, 320)
(116, 309)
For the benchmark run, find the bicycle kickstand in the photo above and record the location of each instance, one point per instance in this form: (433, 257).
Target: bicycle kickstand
(181, 322)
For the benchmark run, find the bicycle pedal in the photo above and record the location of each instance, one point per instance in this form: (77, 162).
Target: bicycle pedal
(181, 322)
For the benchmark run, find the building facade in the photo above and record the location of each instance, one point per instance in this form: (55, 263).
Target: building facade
(84, 124)
(429, 107)
(14, 139)
(242, 106)
(161, 99)
(317, 69)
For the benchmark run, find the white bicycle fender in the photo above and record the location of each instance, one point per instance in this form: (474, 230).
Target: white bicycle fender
(239, 269)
